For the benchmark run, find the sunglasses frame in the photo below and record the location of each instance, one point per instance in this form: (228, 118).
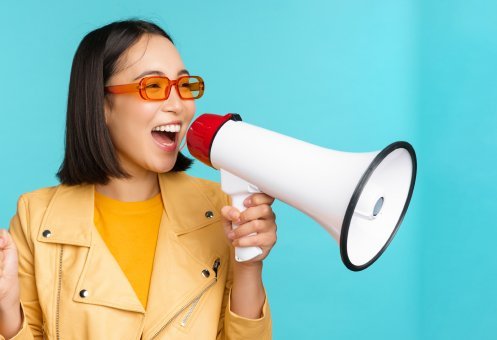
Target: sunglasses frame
(139, 87)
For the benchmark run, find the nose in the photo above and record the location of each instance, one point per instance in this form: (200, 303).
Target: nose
(173, 103)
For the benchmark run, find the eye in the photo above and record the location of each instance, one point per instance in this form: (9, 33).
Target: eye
(153, 86)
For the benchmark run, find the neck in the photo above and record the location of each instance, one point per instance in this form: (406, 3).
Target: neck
(132, 189)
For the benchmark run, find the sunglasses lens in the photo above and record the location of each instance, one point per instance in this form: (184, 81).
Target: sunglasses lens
(155, 87)
(191, 87)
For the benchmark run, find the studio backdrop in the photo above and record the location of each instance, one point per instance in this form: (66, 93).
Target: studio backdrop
(348, 76)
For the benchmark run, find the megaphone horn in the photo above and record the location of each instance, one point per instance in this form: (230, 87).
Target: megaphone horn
(359, 198)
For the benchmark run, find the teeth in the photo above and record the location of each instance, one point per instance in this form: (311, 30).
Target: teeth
(168, 128)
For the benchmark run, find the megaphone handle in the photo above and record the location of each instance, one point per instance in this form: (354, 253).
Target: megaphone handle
(243, 253)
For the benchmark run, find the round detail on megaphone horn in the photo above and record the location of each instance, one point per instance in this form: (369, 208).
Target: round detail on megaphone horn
(378, 206)
(202, 133)
(363, 239)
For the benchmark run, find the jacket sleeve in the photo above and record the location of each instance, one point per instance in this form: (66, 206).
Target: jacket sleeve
(31, 311)
(233, 326)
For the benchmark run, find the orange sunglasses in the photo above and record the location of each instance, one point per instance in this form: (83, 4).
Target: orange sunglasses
(159, 88)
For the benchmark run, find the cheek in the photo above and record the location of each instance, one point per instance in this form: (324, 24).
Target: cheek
(189, 111)
(128, 121)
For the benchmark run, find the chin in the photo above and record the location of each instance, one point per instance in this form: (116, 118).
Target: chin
(165, 166)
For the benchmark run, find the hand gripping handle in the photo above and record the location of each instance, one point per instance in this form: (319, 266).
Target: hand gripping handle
(239, 190)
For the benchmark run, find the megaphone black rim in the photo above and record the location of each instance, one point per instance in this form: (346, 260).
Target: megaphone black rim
(357, 194)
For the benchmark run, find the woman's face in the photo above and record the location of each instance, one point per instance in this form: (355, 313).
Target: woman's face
(132, 120)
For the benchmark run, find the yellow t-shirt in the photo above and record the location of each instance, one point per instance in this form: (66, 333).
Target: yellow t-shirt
(130, 231)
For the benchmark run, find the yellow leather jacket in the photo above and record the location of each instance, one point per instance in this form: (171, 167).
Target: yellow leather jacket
(72, 287)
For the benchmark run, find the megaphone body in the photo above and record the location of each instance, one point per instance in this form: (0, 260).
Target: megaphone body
(359, 198)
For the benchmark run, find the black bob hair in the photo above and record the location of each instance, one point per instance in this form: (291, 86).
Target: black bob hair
(90, 156)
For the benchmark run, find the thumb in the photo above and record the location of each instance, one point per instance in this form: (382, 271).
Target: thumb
(8, 253)
(230, 215)
(6, 242)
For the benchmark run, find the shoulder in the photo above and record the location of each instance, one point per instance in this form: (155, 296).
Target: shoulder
(210, 188)
(37, 199)
(201, 187)
(31, 208)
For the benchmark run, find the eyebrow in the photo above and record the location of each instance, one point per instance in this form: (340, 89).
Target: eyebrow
(150, 72)
(184, 71)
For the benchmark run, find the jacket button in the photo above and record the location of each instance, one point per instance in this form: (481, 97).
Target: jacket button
(46, 233)
(209, 214)
(84, 293)
(206, 273)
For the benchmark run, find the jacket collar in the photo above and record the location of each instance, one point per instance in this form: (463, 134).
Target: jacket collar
(179, 191)
(69, 217)
(177, 276)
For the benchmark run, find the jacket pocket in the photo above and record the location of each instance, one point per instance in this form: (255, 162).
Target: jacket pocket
(185, 317)
(181, 319)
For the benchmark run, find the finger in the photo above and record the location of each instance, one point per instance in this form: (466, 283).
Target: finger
(262, 211)
(255, 226)
(257, 199)
(263, 240)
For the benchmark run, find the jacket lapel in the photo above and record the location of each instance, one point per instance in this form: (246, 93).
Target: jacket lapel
(177, 276)
(69, 220)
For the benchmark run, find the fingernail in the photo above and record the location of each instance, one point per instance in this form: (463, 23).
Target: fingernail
(248, 202)
(231, 235)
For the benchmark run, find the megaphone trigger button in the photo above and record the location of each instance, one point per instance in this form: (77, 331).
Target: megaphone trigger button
(209, 214)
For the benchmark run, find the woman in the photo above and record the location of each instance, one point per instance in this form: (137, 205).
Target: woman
(129, 246)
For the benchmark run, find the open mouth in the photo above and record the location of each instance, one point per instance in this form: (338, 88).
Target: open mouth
(166, 135)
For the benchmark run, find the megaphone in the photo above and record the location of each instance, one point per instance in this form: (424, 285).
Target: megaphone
(359, 198)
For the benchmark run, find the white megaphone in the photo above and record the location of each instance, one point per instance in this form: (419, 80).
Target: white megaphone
(359, 198)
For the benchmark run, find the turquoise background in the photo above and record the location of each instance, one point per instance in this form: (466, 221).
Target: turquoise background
(347, 75)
